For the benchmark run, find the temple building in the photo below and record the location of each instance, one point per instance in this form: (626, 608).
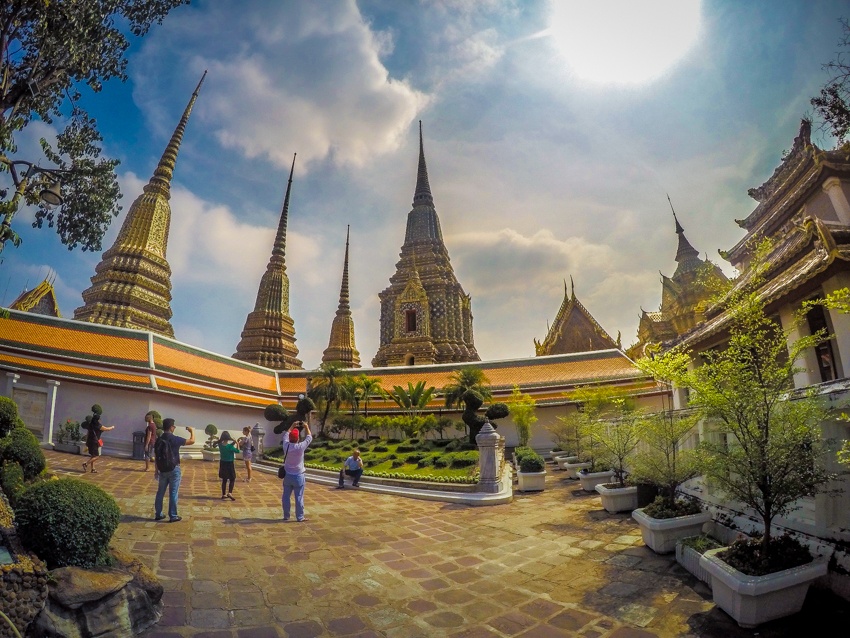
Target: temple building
(131, 287)
(341, 348)
(268, 338)
(683, 299)
(41, 300)
(574, 330)
(426, 317)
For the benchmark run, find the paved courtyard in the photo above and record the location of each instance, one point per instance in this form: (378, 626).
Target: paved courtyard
(548, 565)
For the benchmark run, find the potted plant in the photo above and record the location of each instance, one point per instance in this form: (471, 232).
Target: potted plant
(567, 437)
(764, 448)
(210, 451)
(521, 408)
(68, 437)
(531, 472)
(689, 551)
(665, 462)
(618, 438)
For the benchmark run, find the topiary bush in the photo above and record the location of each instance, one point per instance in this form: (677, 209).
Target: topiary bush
(67, 522)
(96, 409)
(276, 412)
(12, 481)
(531, 463)
(8, 415)
(212, 442)
(463, 459)
(22, 447)
(381, 448)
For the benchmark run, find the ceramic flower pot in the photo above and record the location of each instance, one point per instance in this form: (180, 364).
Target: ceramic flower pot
(572, 469)
(531, 481)
(661, 534)
(618, 499)
(589, 480)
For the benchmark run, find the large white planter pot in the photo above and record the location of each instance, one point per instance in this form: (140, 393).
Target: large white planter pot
(589, 480)
(753, 600)
(561, 461)
(531, 481)
(689, 558)
(210, 455)
(618, 499)
(71, 448)
(573, 468)
(661, 534)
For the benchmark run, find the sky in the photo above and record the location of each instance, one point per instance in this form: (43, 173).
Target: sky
(553, 130)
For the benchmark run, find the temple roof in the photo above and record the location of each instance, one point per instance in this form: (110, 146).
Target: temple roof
(574, 329)
(141, 360)
(40, 300)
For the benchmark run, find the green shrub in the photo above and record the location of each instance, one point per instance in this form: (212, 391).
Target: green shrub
(381, 448)
(660, 508)
(67, 522)
(392, 441)
(426, 461)
(466, 446)
(397, 463)
(8, 415)
(391, 457)
(12, 481)
(521, 452)
(531, 462)
(22, 447)
(96, 409)
(442, 461)
(362, 441)
(463, 459)
(275, 412)
(441, 442)
(413, 458)
(404, 448)
(452, 445)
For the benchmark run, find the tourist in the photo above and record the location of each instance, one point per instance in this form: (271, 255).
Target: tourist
(167, 454)
(352, 467)
(93, 441)
(246, 444)
(227, 464)
(150, 440)
(295, 478)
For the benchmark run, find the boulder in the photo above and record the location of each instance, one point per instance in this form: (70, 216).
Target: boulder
(75, 586)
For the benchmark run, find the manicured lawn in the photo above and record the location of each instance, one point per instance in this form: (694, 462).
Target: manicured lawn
(446, 460)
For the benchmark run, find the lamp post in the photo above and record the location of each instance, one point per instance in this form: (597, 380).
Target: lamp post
(50, 194)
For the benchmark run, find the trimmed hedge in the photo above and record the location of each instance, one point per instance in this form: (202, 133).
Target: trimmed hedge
(8, 415)
(12, 481)
(22, 447)
(67, 522)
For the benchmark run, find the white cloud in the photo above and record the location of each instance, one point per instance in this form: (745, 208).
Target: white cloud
(312, 82)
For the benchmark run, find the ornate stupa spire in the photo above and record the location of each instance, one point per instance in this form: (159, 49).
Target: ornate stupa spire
(341, 348)
(426, 317)
(132, 283)
(268, 338)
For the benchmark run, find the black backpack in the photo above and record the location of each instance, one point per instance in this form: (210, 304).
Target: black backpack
(165, 454)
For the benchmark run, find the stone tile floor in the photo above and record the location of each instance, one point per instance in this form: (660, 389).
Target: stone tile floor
(550, 564)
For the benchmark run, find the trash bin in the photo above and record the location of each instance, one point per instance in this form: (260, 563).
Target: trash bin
(139, 445)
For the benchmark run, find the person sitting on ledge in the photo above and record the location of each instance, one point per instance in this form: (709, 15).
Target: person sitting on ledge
(352, 467)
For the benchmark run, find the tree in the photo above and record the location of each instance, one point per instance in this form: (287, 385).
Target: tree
(350, 391)
(49, 50)
(521, 407)
(581, 430)
(414, 399)
(617, 435)
(327, 387)
(468, 387)
(766, 448)
(369, 387)
(833, 103)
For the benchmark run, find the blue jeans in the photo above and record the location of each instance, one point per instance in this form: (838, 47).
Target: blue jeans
(170, 480)
(296, 483)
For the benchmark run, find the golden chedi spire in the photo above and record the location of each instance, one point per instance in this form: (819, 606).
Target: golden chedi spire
(268, 338)
(341, 348)
(436, 326)
(132, 283)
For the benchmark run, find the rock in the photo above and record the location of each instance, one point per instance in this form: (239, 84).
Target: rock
(142, 574)
(75, 586)
(55, 621)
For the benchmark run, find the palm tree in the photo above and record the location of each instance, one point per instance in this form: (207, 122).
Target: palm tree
(414, 399)
(468, 387)
(327, 386)
(350, 391)
(369, 387)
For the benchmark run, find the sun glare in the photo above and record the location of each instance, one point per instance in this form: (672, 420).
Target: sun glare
(623, 41)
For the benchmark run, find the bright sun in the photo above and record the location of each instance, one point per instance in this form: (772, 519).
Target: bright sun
(623, 41)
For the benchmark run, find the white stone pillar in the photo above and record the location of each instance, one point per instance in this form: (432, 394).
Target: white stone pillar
(837, 196)
(258, 434)
(11, 380)
(488, 465)
(840, 324)
(811, 372)
(50, 412)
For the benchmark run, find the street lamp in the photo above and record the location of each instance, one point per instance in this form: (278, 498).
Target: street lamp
(50, 194)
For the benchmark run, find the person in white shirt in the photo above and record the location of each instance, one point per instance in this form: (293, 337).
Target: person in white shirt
(295, 479)
(352, 467)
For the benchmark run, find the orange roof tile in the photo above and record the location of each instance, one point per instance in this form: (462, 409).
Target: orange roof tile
(78, 372)
(178, 387)
(185, 360)
(74, 339)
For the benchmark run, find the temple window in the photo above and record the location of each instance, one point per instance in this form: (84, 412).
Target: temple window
(410, 320)
(409, 360)
(823, 351)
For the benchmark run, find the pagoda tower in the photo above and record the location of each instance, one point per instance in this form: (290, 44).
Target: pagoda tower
(426, 317)
(341, 348)
(268, 338)
(132, 283)
(574, 330)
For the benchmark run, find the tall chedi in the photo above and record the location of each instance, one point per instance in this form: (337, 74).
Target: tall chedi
(132, 283)
(268, 338)
(341, 348)
(426, 317)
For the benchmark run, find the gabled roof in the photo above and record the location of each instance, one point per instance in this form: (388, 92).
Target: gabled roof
(40, 300)
(574, 330)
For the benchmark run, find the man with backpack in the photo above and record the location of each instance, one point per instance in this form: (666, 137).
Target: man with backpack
(167, 455)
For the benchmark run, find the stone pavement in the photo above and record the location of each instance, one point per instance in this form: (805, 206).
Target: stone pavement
(550, 564)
